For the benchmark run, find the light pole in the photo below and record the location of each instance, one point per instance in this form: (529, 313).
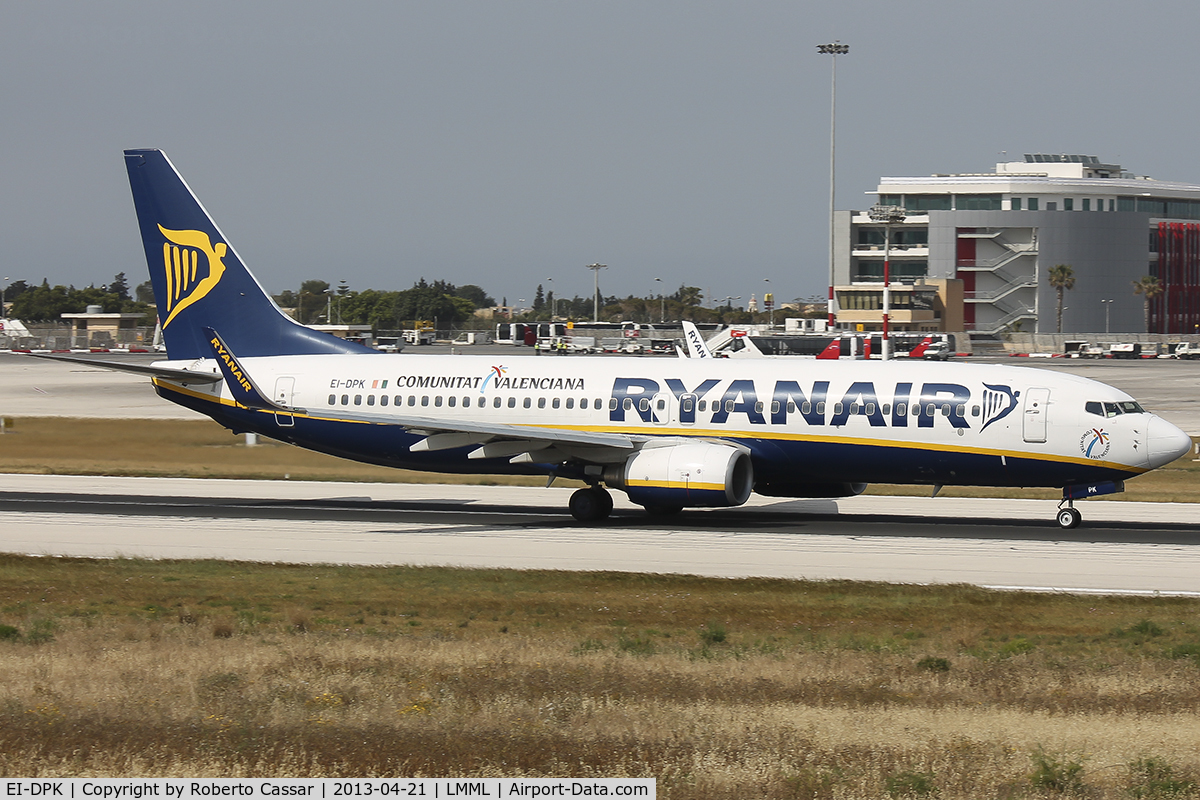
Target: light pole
(595, 268)
(836, 49)
(888, 215)
(1107, 306)
(662, 303)
(769, 302)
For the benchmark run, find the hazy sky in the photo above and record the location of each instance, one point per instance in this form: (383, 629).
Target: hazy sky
(505, 143)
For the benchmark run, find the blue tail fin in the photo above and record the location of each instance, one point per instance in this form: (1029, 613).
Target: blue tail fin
(199, 281)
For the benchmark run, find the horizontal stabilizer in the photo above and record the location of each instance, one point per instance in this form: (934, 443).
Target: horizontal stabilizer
(170, 373)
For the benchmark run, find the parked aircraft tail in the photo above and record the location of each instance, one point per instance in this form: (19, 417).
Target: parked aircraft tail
(199, 280)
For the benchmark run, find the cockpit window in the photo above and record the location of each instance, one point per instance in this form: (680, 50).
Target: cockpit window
(1112, 409)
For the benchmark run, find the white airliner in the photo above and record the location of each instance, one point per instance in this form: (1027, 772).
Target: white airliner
(670, 433)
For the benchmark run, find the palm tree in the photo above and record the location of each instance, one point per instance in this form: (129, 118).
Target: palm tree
(1062, 278)
(1148, 287)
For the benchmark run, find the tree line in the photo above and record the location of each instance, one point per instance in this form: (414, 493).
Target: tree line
(49, 303)
(439, 302)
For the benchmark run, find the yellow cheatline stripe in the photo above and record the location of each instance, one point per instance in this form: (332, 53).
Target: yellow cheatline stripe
(716, 433)
(691, 486)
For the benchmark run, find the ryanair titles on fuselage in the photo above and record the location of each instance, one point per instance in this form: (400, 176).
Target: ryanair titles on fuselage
(898, 405)
(905, 404)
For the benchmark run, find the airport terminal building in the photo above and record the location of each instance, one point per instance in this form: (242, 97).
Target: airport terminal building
(995, 235)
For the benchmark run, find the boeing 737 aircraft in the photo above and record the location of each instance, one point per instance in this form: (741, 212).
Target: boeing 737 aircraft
(670, 433)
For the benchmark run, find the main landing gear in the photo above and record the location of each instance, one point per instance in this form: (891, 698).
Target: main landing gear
(591, 504)
(1068, 517)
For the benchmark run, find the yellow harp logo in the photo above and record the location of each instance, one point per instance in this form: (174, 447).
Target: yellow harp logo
(187, 281)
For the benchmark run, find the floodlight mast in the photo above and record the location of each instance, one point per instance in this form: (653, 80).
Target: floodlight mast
(836, 49)
(595, 268)
(888, 215)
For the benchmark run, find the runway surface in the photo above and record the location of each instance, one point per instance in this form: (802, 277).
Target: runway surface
(1123, 547)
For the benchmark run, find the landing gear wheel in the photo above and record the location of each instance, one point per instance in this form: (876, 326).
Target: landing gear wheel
(1069, 518)
(663, 511)
(591, 504)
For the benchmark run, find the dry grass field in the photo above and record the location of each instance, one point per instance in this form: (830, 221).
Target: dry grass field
(203, 449)
(719, 689)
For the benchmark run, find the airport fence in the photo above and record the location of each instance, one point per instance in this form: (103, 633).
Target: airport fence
(58, 336)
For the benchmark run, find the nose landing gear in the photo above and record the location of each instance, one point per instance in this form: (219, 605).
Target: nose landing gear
(1068, 517)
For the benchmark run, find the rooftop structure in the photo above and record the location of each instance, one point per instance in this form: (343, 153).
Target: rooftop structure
(1000, 232)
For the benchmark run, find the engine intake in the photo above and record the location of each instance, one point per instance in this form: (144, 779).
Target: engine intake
(685, 475)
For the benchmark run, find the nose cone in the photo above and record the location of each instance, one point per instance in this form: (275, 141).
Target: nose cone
(1166, 443)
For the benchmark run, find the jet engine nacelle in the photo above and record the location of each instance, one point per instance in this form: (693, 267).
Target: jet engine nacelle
(685, 475)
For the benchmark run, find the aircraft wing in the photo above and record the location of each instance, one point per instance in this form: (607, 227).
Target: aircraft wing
(442, 434)
(172, 373)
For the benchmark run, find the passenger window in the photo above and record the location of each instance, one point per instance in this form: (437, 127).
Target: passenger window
(805, 407)
(570, 402)
(854, 409)
(901, 409)
(358, 399)
(775, 407)
(496, 402)
(437, 401)
(837, 408)
(412, 399)
(758, 407)
(887, 409)
(482, 402)
(945, 409)
(821, 408)
(728, 406)
(644, 404)
(960, 410)
(869, 410)
(528, 402)
(554, 403)
(424, 399)
(974, 411)
(332, 399)
(370, 399)
(345, 399)
(452, 401)
(599, 402)
(512, 402)
(688, 404)
(930, 409)
(703, 405)
(628, 404)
